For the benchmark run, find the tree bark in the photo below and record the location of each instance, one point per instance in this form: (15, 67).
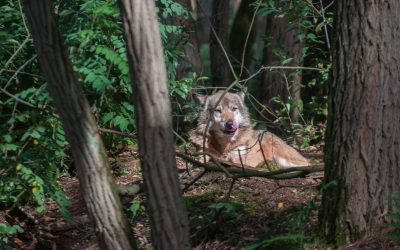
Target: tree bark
(363, 134)
(168, 219)
(192, 60)
(240, 29)
(96, 183)
(282, 43)
(220, 71)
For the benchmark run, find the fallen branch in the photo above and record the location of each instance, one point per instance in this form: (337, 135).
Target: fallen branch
(238, 171)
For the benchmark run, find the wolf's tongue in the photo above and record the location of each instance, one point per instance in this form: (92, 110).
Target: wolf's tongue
(234, 127)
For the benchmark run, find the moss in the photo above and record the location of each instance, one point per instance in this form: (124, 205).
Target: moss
(340, 237)
(269, 165)
(357, 234)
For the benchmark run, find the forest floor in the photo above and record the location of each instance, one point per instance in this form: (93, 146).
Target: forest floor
(281, 214)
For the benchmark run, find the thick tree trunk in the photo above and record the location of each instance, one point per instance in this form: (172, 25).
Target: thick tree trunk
(363, 133)
(192, 61)
(239, 31)
(168, 217)
(282, 43)
(220, 71)
(96, 183)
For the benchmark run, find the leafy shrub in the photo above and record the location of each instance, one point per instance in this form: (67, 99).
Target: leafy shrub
(5, 232)
(33, 148)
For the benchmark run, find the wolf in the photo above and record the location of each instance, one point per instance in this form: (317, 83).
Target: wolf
(230, 136)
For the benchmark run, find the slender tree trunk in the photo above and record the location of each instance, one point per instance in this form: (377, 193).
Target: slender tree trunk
(220, 71)
(167, 213)
(96, 183)
(363, 133)
(282, 43)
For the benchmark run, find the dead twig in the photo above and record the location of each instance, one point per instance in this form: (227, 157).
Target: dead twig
(228, 194)
(194, 181)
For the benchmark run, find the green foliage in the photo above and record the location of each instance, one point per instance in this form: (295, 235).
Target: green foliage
(33, 149)
(136, 206)
(227, 209)
(6, 231)
(394, 217)
(97, 49)
(194, 201)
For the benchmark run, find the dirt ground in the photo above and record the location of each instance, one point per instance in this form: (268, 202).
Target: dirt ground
(257, 209)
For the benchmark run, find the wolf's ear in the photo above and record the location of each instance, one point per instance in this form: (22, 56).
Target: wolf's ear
(200, 99)
(242, 94)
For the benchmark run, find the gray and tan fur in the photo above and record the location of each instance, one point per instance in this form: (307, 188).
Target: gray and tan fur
(230, 136)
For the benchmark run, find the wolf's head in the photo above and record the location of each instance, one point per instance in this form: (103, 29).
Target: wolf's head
(227, 115)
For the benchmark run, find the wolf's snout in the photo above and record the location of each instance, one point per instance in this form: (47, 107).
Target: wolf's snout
(230, 125)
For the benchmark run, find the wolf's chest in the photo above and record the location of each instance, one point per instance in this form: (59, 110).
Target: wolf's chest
(238, 154)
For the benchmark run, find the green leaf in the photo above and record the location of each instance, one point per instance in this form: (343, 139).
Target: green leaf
(287, 61)
(108, 117)
(121, 122)
(7, 138)
(134, 207)
(35, 134)
(8, 147)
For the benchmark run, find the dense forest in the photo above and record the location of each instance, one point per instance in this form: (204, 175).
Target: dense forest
(109, 113)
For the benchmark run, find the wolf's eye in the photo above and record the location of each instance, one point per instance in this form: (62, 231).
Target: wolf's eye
(218, 110)
(234, 108)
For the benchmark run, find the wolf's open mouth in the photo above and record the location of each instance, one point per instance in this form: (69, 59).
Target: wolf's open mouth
(230, 131)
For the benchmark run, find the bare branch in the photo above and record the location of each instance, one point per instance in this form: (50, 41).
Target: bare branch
(17, 98)
(15, 53)
(247, 40)
(325, 28)
(18, 71)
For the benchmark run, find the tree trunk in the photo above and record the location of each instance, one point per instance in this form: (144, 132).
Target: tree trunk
(168, 219)
(220, 71)
(239, 31)
(96, 183)
(283, 43)
(363, 134)
(191, 62)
